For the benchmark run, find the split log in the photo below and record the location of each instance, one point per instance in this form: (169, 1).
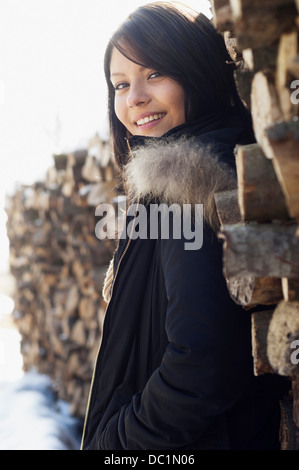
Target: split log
(247, 291)
(101, 151)
(60, 161)
(259, 331)
(243, 77)
(239, 7)
(254, 22)
(289, 432)
(260, 59)
(227, 207)
(265, 107)
(283, 139)
(90, 170)
(243, 80)
(259, 24)
(222, 15)
(259, 193)
(261, 250)
(290, 289)
(101, 192)
(250, 291)
(283, 339)
(76, 160)
(78, 334)
(87, 309)
(288, 48)
(295, 390)
(293, 66)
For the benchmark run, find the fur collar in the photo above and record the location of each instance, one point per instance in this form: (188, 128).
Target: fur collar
(182, 171)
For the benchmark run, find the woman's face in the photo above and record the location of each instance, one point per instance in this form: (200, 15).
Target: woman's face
(146, 102)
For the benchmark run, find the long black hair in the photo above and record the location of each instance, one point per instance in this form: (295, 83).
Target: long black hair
(179, 43)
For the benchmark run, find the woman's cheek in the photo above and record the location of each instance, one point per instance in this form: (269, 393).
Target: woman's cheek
(119, 111)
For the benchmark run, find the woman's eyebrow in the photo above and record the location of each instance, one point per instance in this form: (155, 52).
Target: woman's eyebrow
(141, 68)
(117, 74)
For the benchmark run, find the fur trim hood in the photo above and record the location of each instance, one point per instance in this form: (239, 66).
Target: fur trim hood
(181, 171)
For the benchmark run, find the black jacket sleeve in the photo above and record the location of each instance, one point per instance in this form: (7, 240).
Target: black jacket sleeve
(207, 364)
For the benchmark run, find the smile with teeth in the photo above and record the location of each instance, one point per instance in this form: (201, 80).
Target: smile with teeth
(147, 119)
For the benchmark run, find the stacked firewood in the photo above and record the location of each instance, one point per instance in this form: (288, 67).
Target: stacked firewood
(59, 265)
(260, 218)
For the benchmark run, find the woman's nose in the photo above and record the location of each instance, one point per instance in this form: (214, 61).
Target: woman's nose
(137, 96)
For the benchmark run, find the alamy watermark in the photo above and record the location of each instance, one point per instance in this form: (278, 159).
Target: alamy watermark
(295, 93)
(154, 221)
(295, 354)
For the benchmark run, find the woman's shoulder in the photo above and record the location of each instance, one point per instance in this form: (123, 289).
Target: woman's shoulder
(181, 171)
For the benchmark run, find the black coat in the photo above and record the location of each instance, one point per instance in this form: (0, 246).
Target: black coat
(175, 368)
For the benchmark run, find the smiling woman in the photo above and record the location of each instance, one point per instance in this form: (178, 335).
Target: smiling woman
(179, 50)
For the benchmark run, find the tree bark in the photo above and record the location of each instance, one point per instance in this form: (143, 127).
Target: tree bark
(284, 141)
(227, 207)
(250, 291)
(260, 196)
(265, 107)
(259, 330)
(261, 250)
(283, 339)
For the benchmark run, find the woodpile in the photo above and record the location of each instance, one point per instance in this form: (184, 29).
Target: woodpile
(59, 265)
(260, 218)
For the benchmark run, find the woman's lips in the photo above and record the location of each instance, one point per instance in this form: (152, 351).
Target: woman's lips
(149, 120)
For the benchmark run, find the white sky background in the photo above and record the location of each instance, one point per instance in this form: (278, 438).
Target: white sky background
(51, 56)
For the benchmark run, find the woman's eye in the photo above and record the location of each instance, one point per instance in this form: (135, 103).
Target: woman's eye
(155, 75)
(120, 86)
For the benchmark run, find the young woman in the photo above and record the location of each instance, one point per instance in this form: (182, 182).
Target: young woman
(175, 369)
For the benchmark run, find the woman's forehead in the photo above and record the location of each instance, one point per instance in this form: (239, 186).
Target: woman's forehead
(125, 55)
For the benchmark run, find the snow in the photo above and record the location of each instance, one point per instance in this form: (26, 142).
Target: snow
(31, 418)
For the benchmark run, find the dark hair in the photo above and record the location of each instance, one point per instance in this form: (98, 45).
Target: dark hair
(181, 44)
